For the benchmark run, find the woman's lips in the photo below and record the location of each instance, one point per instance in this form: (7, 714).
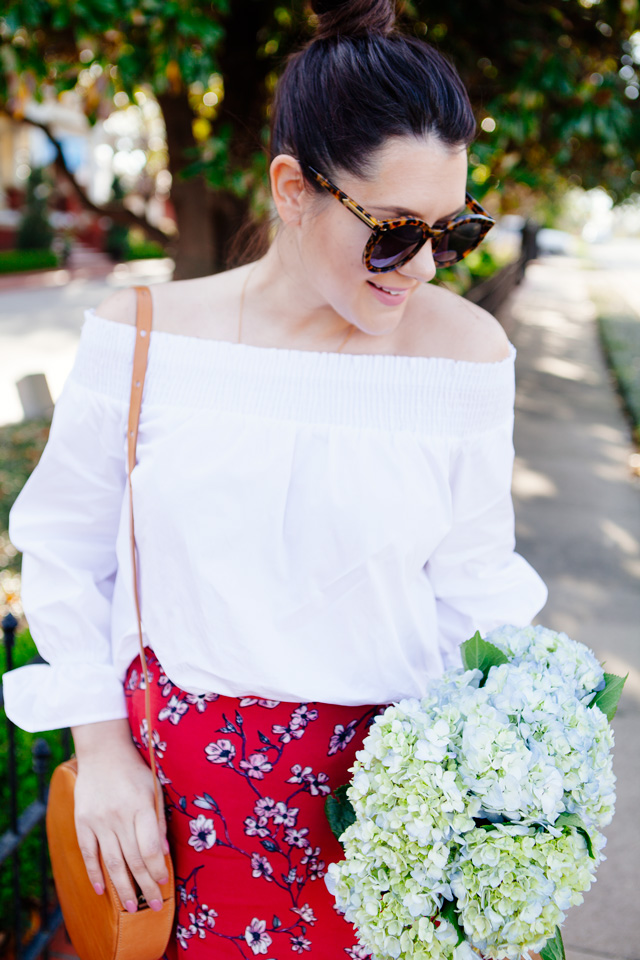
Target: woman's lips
(392, 299)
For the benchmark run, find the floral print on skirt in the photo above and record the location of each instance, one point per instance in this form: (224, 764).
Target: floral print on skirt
(245, 782)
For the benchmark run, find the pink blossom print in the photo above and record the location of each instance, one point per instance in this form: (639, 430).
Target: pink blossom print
(256, 937)
(174, 710)
(256, 766)
(203, 834)
(222, 751)
(244, 783)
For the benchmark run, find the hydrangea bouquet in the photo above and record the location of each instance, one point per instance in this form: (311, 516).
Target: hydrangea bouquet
(472, 821)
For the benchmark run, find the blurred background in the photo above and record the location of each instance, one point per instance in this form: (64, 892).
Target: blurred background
(138, 129)
(133, 149)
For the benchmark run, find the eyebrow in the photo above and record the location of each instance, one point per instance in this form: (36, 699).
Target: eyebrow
(402, 212)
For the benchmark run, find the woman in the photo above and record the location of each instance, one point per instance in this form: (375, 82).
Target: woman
(322, 505)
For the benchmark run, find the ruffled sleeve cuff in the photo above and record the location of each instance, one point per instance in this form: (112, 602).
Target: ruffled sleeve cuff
(41, 697)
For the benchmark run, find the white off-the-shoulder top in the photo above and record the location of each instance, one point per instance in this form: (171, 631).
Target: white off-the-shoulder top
(310, 525)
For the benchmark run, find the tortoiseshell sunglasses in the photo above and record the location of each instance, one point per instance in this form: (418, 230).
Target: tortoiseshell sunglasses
(394, 242)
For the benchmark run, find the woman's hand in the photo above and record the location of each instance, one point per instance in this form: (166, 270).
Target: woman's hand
(115, 812)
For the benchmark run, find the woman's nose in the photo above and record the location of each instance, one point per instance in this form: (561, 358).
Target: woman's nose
(422, 267)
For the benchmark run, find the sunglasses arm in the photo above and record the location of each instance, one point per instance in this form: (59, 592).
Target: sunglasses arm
(476, 208)
(365, 217)
(344, 199)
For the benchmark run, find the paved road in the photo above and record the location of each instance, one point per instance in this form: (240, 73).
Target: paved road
(578, 522)
(615, 267)
(40, 324)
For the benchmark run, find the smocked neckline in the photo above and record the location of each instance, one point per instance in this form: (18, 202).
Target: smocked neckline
(290, 352)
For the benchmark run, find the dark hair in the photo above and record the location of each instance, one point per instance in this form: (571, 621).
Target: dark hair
(356, 83)
(359, 82)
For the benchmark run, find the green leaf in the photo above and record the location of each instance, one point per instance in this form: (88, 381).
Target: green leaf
(573, 820)
(607, 698)
(479, 654)
(553, 948)
(339, 811)
(449, 911)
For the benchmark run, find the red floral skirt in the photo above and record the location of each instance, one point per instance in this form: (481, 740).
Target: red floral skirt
(245, 782)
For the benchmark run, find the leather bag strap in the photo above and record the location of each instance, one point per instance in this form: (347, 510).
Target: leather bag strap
(143, 336)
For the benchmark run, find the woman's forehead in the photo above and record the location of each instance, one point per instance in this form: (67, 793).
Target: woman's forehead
(416, 178)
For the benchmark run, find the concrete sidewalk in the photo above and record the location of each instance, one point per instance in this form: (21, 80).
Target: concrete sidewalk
(41, 316)
(578, 522)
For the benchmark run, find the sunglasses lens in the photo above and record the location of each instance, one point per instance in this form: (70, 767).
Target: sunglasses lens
(394, 245)
(456, 243)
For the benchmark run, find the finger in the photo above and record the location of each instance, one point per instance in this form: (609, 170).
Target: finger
(162, 825)
(114, 859)
(88, 844)
(149, 836)
(137, 865)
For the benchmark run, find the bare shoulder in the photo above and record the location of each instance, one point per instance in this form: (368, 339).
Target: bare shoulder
(179, 306)
(119, 306)
(444, 324)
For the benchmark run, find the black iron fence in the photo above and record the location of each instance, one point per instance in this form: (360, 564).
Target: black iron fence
(22, 825)
(492, 293)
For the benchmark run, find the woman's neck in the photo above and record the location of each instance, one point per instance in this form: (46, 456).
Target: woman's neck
(279, 296)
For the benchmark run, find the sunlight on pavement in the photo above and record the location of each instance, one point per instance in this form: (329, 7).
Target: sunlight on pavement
(567, 369)
(530, 483)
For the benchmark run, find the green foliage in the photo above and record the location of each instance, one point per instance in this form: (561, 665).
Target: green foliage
(144, 250)
(549, 75)
(116, 241)
(158, 42)
(481, 264)
(449, 911)
(553, 948)
(21, 446)
(620, 337)
(557, 79)
(34, 230)
(24, 651)
(478, 654)
(339, 811)
(607, 698)
(572, 820)
(12, 261)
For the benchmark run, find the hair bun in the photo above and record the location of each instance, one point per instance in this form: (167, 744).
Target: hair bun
(353, 18)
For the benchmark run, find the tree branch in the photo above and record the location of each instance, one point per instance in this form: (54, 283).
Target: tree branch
(117, 212)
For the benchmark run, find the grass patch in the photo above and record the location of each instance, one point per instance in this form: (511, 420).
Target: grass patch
(144, 250)
(12, 261)
(620, 337)
(21, 446)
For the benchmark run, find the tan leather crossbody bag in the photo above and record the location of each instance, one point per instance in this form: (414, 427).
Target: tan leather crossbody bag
(99, 927)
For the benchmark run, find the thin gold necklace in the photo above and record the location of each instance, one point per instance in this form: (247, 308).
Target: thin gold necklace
(244, 289)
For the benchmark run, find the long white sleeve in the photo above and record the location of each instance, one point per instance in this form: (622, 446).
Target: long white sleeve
(65, 522)
(309, 525)
(479, 581)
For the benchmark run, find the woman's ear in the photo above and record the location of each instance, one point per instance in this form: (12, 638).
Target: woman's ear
(288, 188)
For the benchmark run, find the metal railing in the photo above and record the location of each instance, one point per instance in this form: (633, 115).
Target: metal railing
(22, 825)
(492, 293)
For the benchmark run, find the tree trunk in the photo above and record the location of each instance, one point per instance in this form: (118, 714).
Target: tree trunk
(194, 249)
(208, 219)
(243, 106)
